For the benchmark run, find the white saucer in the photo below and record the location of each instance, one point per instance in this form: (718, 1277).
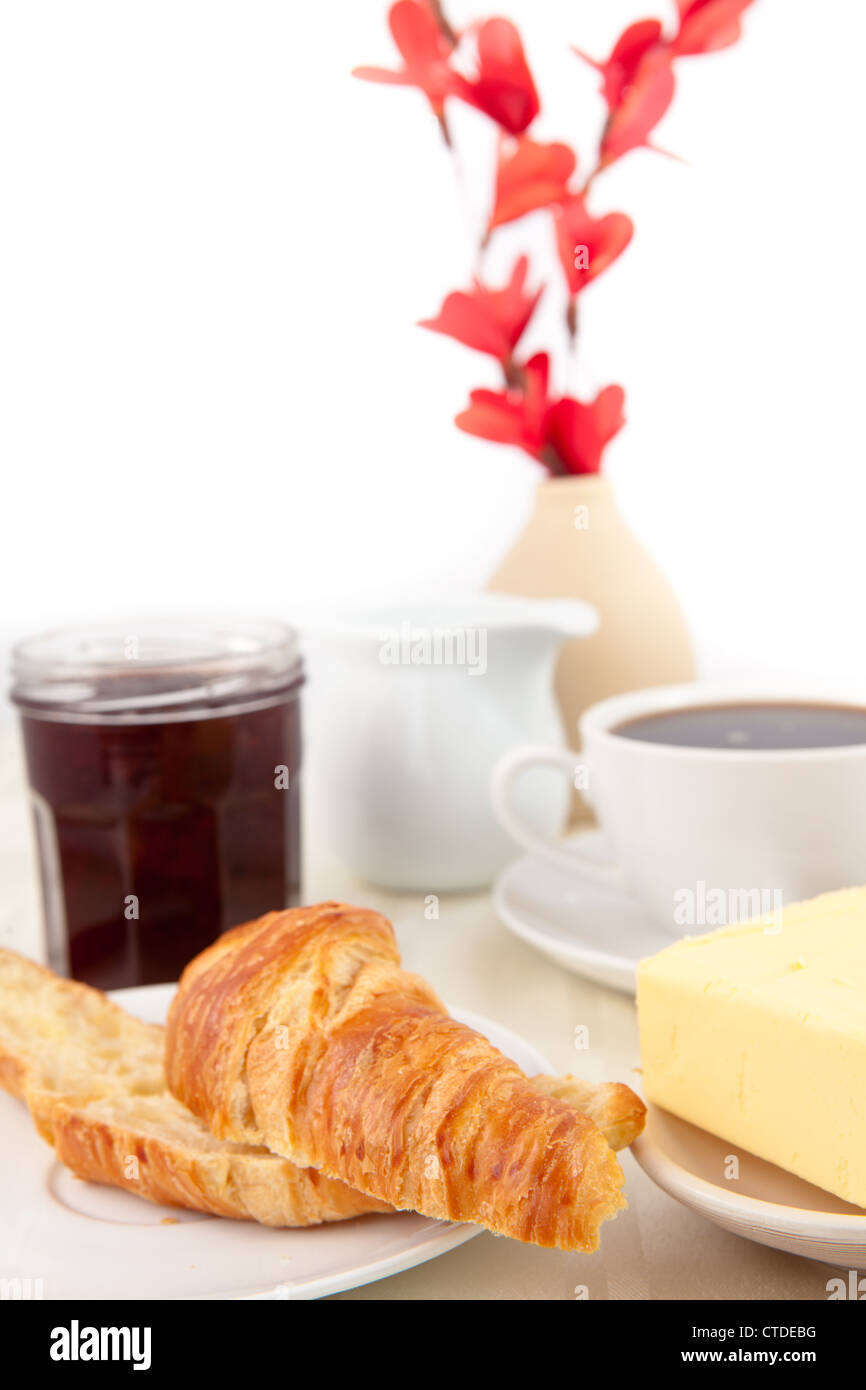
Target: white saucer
(600, 933)
(764, 1203)
(79, 1240)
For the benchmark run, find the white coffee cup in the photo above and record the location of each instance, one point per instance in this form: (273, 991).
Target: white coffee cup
(741, 830)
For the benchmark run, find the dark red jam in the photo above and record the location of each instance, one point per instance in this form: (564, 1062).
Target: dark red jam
(165, 798)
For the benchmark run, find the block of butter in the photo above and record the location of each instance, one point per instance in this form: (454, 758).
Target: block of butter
(757, 1032)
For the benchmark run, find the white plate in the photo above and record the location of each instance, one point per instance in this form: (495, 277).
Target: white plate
(86, 1241)
(764, 1203)
(600, 933)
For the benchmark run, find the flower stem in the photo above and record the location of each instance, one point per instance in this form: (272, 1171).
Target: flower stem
(552, 462)
(446, 29)
(515, 377)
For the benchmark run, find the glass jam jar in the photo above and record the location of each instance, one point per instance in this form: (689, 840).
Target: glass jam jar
(164, 764)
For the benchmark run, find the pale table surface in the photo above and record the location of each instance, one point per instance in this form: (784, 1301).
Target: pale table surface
(656, 1249)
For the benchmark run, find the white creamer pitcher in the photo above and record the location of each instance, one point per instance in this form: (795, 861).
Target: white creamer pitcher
(410, 706)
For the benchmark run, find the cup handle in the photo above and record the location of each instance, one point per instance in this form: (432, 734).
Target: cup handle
(505, 774)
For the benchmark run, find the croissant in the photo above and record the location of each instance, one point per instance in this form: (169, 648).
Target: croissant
(300, 1031)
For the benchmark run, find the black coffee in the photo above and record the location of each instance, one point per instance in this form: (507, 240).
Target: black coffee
(758, 725)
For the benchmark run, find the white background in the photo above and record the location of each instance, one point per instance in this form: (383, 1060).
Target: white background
(213, 249)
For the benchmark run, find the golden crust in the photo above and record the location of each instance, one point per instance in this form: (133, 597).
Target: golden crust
(614, 1107)
(103, 1144)
(302, 1032)
(12, 1075)
(92, 1078)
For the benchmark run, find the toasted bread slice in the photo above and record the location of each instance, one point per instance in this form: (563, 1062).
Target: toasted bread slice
(92, 1077)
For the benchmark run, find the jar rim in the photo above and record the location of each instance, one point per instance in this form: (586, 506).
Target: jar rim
(149, 665)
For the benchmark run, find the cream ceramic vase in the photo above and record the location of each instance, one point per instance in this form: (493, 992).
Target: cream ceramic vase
(576, 545)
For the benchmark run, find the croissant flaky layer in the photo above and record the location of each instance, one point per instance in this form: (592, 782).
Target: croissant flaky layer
(301, 1032)
(614, 1107)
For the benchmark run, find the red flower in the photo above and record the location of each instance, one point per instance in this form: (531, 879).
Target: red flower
(578, 433)
(566, 435)
(426, 54)
(638, 86)
(707, 25)
(503, 87)
(620, 70)
(641, 107)
(529, 176)
(514, 416)
(587, 245)
(486, 319)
